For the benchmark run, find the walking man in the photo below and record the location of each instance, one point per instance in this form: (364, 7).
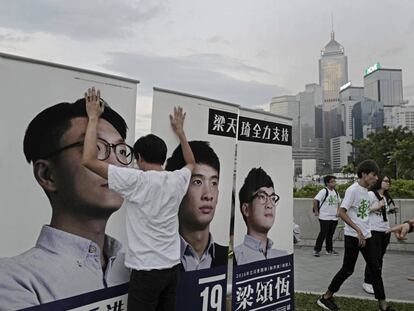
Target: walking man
(354, 212)
(325, 207)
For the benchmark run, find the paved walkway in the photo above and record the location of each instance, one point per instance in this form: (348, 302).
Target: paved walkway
(314, 274)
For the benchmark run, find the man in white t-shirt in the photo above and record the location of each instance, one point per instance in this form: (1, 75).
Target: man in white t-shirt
(152, 198)
(354, 212)
(325, 207)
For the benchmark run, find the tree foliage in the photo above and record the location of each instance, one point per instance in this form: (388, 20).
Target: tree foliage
(392, 149)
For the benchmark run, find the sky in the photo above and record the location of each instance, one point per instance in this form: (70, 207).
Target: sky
(239, 51)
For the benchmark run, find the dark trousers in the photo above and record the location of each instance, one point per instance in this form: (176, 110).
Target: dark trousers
(326, 233)
(350, 257)
(379, 241)
(153, 290)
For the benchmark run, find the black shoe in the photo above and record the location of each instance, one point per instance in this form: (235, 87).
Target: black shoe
(327, 304)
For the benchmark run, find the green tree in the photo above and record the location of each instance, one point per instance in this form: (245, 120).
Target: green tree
(392, 149)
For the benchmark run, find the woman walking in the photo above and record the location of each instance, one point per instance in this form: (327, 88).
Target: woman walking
(381, 206)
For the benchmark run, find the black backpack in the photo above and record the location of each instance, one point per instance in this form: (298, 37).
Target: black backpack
(325, 197)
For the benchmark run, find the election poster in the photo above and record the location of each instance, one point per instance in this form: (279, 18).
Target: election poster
(263, 222)
(49, 260)
(205, 211)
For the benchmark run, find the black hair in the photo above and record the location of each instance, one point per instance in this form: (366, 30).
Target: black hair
(256, 179)
(151, 148)
(203, 154)
(44, 132)
(378, 185)
(328, 178)
(367, 166)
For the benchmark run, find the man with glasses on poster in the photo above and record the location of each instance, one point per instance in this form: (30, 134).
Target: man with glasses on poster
(258, 202)
(72, 255)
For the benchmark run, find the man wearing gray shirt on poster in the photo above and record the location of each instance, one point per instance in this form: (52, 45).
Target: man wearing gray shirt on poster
(197, 209)
(258, 202)
(72, 255)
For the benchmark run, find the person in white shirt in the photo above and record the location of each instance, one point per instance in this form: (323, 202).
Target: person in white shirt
(325, 207)
(152, 198)
(381, 206)
(354, 212)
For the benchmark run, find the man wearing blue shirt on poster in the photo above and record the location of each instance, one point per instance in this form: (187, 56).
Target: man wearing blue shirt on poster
(258, 202)
(72, 255)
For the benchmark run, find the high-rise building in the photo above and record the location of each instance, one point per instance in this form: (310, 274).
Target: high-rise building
(333, 73)
(308, 100)
(288, 106)
(341, 152)
(385, 86)
(348, 96)
(404, 116)
(301, 108)
(367, 117)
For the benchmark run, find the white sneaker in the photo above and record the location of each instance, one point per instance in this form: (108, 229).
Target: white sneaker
(368, 288)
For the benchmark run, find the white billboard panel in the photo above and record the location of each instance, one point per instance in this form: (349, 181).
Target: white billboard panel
(263, 215)
(276, 161)
(26, 88)
(205, 211)
(196, 127)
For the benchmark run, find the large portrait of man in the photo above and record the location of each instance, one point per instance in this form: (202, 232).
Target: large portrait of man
(197, 209)
(258, 207)
(72, 255)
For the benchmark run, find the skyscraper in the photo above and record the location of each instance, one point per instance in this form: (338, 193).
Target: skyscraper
(308, 101)
(302, 109)
(288, 106)
(385, 86)
(333, 73)
(349, 96)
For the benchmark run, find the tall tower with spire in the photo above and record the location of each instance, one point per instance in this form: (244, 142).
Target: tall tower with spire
(333, 73)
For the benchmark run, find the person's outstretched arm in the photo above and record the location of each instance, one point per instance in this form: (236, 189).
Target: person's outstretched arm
(401, 230)
(94, 109)
(177, 123)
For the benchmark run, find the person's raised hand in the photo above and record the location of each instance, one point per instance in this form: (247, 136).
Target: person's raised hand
(94, 106)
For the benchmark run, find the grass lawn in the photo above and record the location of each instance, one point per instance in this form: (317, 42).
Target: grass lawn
(307, 302)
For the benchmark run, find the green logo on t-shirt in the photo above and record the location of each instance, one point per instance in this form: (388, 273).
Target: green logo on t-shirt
(363, 209)
(332, 200)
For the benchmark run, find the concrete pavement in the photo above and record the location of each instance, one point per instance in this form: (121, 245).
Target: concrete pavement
(313, 274)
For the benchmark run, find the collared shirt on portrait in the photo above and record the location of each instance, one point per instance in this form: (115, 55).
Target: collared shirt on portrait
(250, 251)
(61, 265)
(190, 259)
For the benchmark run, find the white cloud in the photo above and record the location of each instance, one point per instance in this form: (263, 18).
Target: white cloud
(84, 20)
(196, 74)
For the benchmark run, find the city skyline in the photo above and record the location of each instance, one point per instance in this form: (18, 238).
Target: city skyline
(236, 51)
